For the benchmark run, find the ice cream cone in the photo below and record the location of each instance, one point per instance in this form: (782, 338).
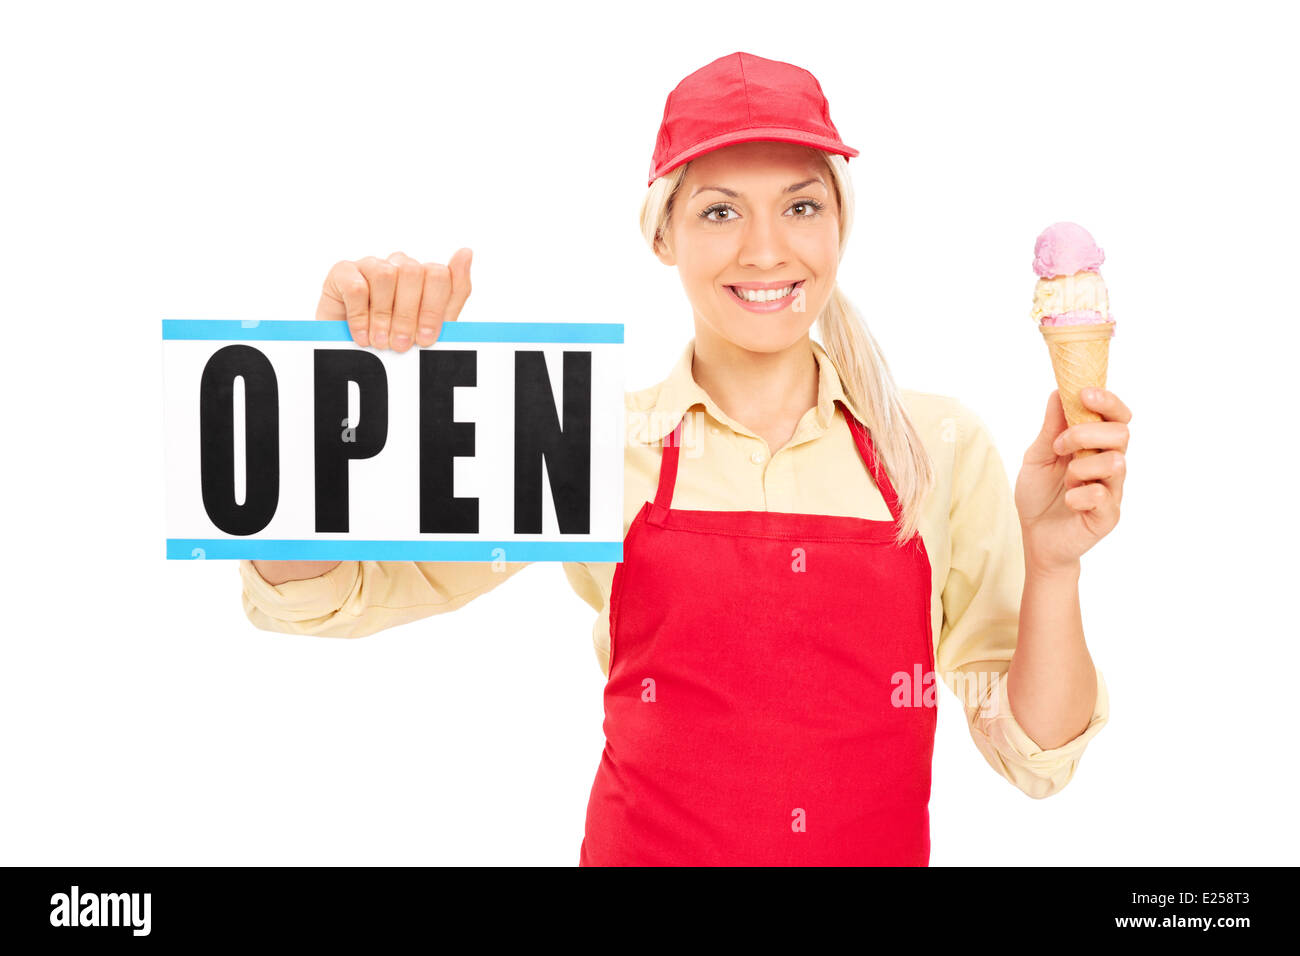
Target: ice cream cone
(1079, 356)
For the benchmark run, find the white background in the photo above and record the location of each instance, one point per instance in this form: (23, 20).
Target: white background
(180, 161)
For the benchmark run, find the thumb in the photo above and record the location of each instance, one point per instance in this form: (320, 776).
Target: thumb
(458, 266)
(1053, 424)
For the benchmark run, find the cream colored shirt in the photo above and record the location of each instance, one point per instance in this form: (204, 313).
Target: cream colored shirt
(969, 525)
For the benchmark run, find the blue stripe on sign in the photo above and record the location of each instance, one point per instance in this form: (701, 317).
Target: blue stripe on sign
(235, 330)
(263, 549)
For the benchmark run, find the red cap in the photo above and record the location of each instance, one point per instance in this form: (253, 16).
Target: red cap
(741, 98)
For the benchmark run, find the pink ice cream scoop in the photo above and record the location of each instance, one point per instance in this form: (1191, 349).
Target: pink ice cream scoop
(1076, 317)
(1065, 248)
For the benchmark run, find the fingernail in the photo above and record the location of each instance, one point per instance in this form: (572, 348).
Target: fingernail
(401, 341)
(363, 339)
(1058, 445)
(381, 339)
(1092, 394)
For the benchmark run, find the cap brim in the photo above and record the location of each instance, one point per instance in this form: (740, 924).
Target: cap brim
(779, 134)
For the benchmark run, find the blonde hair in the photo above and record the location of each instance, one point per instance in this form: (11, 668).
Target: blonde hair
(864, 373)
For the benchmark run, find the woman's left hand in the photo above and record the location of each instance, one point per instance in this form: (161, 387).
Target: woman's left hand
(1066, 504)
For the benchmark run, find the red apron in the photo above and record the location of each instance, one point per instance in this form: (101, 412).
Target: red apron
(764, 704)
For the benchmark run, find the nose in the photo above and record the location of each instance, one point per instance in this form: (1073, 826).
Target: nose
(763, 243)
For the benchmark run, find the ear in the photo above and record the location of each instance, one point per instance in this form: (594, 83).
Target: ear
(665, 254)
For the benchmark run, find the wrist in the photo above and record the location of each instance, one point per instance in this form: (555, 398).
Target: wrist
(1044, 572)
(1040, 564)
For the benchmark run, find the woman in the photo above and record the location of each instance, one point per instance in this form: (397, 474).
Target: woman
(784, 713)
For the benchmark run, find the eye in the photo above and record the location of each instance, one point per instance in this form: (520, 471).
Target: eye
(721, 208)
(811, 208)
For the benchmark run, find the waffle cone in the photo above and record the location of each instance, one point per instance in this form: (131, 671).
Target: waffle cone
(1079, 357)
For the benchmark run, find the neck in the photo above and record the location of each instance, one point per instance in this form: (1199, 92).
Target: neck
(767, 392)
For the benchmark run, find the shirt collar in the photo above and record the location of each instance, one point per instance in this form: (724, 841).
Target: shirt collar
(679, 393)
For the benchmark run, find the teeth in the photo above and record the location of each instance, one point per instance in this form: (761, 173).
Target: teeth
(763, 295)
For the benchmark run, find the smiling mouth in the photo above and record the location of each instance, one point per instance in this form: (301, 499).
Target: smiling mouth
(764, 295)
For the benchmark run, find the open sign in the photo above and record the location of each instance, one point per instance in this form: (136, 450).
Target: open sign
(286, 441)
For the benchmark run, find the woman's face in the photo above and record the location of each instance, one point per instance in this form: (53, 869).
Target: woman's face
(749, 216)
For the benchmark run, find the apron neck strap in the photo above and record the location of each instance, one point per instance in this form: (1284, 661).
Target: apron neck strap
(668, 466)
(867, 449)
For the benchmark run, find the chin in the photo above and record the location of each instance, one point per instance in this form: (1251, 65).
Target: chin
(763, 333)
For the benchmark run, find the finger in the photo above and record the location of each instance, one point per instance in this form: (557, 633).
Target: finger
(346, 295)
(1101, 436)
(1106, 404)
(460, 285)
(1095, 505)
(1106, 469)
(406, 300)
(433, 304)
(1090, 497)
(382, 277)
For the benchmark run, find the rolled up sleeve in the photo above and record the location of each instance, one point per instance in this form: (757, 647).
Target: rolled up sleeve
(981, 618)
(1038, 772)
(357, 598)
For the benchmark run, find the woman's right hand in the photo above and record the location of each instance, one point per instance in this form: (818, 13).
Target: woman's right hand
(388, 303)
(398, 301)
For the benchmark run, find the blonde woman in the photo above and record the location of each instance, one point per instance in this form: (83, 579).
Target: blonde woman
(828, 548)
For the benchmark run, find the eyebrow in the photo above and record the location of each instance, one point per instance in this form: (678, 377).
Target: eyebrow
(735, 195)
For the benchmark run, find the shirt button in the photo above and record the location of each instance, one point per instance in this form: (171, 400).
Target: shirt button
(757, 458)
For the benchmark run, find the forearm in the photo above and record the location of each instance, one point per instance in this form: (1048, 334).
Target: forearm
(279, 572)
(1051, 682)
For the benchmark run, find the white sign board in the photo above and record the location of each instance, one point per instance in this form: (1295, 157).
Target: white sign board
(286, 441)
